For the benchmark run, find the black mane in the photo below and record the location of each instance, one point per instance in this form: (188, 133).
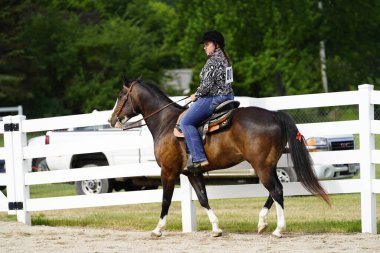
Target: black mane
(158, 92)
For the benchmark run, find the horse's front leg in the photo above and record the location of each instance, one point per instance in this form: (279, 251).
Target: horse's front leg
(197, 181)
(168, 189)
(263, 225)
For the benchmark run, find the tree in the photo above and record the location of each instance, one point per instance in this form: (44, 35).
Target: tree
(12, 59)
(72, 54)
(352, 31)
(63, 57)
(273, 45)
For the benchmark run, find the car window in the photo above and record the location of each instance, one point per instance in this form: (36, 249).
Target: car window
(92, 128)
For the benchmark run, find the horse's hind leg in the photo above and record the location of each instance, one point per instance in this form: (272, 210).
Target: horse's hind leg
(274, 186)
(278, 197)
(197, 181)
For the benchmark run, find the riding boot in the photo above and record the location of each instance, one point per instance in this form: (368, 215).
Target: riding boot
(194, 167)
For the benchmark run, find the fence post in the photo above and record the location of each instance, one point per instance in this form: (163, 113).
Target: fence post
(10, 172)
(367, 168)
(189, 221)
(20, 168)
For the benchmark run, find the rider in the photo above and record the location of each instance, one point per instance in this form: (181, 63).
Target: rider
(215, 88)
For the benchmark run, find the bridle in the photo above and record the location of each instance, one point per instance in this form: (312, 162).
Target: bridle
(137, 123)
(124, 100)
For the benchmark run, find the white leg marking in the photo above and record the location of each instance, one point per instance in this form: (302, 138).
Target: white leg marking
(281, 224)
(262, 225)
(161, 224)
(216, 231)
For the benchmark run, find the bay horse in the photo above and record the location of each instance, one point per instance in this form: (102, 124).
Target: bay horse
(256, 135)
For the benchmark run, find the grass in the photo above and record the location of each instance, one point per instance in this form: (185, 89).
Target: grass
(304, 214)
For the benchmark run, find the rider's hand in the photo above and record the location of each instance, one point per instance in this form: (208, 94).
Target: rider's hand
(193, 97)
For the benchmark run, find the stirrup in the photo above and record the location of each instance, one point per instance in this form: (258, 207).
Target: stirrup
(194, 167)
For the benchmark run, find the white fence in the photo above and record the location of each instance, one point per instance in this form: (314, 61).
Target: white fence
(17, 109)
(18, 179)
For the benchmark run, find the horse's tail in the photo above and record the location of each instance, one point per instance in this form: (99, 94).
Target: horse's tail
(302, 162)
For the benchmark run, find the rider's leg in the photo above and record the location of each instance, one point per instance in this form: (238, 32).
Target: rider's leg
(196, 114)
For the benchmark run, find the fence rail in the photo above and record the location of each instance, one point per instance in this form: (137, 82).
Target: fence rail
(17, 109)
(18, 179)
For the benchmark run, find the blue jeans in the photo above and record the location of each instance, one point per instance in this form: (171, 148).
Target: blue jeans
(199, 111)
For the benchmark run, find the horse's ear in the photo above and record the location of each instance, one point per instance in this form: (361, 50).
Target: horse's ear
(126, 81)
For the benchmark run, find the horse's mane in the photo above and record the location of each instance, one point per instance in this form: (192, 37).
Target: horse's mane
(158, 92)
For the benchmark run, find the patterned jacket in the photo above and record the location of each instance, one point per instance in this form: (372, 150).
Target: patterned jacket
(213, 76)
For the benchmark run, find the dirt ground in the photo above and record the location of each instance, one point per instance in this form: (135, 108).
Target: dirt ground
(16, 237)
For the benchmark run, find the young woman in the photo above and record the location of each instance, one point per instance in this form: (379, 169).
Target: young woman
(215, 88)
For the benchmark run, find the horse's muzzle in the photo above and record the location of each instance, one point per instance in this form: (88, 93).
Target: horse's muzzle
(117, 122)
(113, 122)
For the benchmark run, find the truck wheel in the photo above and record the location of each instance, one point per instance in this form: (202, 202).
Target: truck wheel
(286, 175)
(95, 186)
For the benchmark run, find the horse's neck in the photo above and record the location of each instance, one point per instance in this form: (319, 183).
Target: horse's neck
(162, 121)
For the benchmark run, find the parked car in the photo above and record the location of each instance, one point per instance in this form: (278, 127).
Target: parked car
(333, 143)
(241, 173)
(38, 163)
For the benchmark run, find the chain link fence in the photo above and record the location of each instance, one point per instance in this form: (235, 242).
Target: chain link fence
(327, 114)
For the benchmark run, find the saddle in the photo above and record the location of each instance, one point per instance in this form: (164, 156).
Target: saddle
(219, 119)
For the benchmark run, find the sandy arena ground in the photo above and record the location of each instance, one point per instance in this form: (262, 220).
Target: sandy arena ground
(16, 237)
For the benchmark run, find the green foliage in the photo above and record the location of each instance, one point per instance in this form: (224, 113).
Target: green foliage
(64, 57)
(270, 43)
(75, 52)
(352, 35)
(110, 49)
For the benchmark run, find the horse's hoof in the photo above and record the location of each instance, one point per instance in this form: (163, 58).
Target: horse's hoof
(262, 228)
(277, 233)
(217, 233)
(156, 234)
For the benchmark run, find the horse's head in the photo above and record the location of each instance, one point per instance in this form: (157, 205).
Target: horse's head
(124, 108)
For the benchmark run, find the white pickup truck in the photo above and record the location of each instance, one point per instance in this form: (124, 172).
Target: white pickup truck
(241, 173)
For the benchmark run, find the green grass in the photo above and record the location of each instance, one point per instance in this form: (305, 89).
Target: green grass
(51, 190)
(304, 214)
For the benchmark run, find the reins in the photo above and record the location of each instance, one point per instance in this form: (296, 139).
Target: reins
(133, 124)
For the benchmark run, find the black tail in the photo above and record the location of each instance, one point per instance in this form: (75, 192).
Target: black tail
(303, 164)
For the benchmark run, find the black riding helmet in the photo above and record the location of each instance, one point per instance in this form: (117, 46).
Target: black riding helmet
(213, 36)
